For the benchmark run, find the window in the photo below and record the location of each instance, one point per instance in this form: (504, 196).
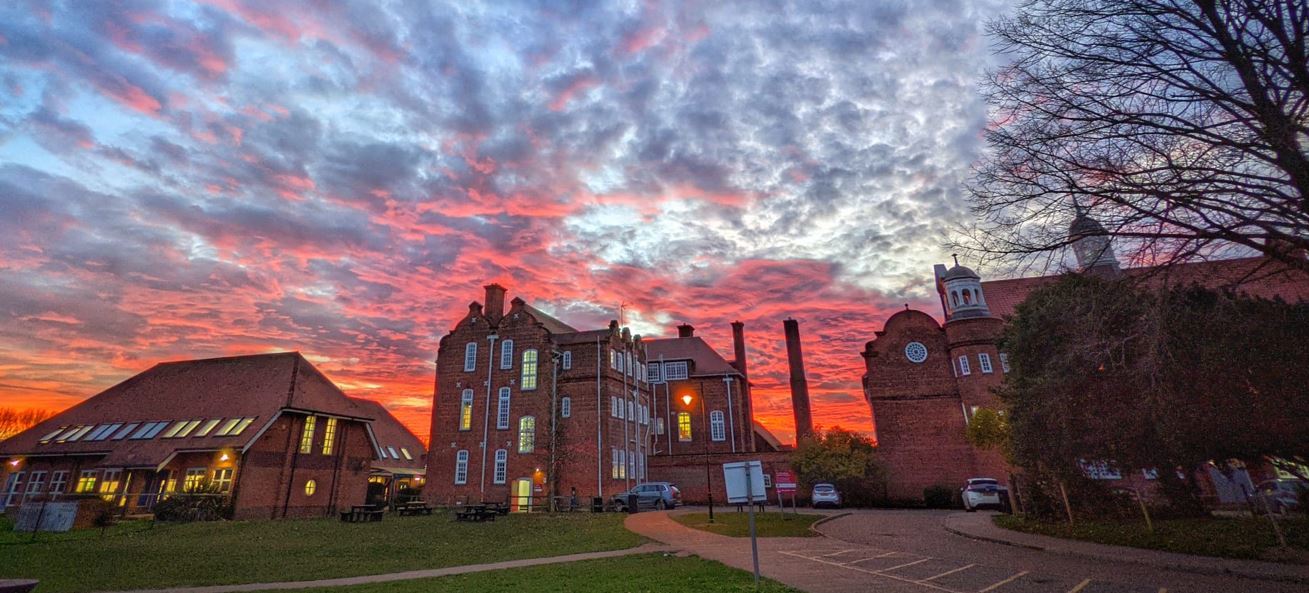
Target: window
(405, 452)
(529, 371)
(507, 354)
(470, 357)
(984, 363)
(502, 410)
(195, 479)
(86, 481)
(174, 429)
(109, 485)
(101, 432)
(1004, 361)
(674, 371)
(659, 426)
(683, 426)
(208, 427)
(64, 437)
(241, 426)
(501, 466)
(622, 408)
(81, 432)
(566, 407)
(381, 452)
(614, 357)
(963, 366)
(466, 410)
(311, 486)
(526, 434)
(568, 360)
(461, 467)
(613, 463)
(717, 430)
(631, 411)
(622, 463)
(228, 427)
(34, 485)
(652, 373)
(11, 488)
(49, 437)
(223, 479)
(329, 436)
(58, 482)
(613, 406)
(122, 434)
(307, 434)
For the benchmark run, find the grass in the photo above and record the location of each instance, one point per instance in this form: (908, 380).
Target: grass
(138, 555)
(737, 524)
(1247, 538)
(652, 573)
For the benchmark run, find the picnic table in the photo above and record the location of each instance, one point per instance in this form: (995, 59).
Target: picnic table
(416, 507)
(362, 513)
(476, 512)
(17, 585)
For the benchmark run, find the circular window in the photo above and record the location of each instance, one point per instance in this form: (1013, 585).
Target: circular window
(311, 487)
(916, 352)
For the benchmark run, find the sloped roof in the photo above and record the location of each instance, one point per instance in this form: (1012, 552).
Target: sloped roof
(553, 325)
(390, 432)
(768, 437)
(706, 359)
(256, 387)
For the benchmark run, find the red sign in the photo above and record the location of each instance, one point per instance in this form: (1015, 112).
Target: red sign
(785, 481)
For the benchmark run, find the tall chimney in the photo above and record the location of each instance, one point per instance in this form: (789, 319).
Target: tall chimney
(495, 302)
(685, 330)
(804, 423)
(738, 347)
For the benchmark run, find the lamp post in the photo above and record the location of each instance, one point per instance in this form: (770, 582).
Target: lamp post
(709, 485)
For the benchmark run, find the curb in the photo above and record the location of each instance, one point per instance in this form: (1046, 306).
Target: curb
(814, 526)
(1198, 568)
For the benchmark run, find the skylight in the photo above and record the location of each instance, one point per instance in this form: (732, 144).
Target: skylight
(79, 434)
(394, 455)
(209, 426)
(47, 438)
(406, 453)
(240, 428)
(227, 427)
(104, 432)
(122, 434)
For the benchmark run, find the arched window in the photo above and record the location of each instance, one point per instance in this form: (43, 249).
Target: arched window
(501, 463)
(968, 297)
(507, 354)
(466, 410)
(977, 296)
(502, 410)
(526, 434)
(470, 356)
(566, 407)
(954, 296)
(717, 428)
(683, 426)
(461, 467)
(529, 371)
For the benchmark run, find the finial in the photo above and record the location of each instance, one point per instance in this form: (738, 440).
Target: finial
(1077, 207)
(906, 306)
(956, 258)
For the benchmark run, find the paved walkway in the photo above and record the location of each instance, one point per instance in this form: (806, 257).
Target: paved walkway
(410, 575)
(980, 527)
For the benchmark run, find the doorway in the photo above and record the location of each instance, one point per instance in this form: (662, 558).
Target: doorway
(521, 496)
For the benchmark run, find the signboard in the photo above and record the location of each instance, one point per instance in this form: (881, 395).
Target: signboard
(785, 481)
(54, 516)
(745, 482)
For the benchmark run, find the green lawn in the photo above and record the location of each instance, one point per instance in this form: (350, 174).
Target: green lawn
(645, 573)
(737, 524)
(1250, 538)
(137, 555)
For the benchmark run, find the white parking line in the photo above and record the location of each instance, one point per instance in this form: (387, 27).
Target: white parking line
(1002, 583)
(898, 566)
(961, 568)
(1080, 586)
(884, 555)
(875, 573)
(839, 552)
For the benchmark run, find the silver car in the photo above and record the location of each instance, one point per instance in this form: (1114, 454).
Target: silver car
(980, 493)
(825, 495)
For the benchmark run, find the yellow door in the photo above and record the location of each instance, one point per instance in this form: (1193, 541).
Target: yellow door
(522, 496)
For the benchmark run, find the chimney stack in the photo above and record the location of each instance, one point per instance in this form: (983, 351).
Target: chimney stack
(685, 330)
(804, 424)
(495, 302)
(738, 347)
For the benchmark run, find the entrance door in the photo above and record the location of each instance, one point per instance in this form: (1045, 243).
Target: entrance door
(521, 497)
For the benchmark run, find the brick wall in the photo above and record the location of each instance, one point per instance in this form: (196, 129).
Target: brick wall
(687, 472)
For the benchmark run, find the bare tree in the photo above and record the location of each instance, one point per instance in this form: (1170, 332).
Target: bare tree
(14, 421)
(1180, 123)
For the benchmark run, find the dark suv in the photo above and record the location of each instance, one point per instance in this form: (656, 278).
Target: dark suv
(651, 495)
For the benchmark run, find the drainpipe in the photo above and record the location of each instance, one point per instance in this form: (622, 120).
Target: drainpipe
(554, 422)
(599, 426)
(627, 413)
(731, 418)
(668, 410)
(486, 414)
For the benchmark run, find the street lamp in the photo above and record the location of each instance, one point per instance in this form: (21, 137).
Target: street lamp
(687, 398)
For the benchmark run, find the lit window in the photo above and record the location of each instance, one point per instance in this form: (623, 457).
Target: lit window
(507, 354)
(717, 430)
(502, 410)
(307, 434)
(470, 356)
(405, 452)
(501, 466)
(227, 427)
(963, 366)
(208, 427)
(58, 481)
(683, 426)
(329, 436)
(311, 487)
(223, 480)
(174, 429)
(529, 371)
(195, 479)
(526, 434)
(241, 426)
(466, 410)
(984, 362)
(622, 463)
(674, 371)
(568, 360)
(652, 373)
(122, 434)
(613, 463)
(182, 431)
(566, 407)
(461, 467)
(1004, 361)
(86, 481)
(34, 485)
(391, 450)
(109, 485)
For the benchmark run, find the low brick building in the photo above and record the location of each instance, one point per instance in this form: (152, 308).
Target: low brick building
(270, 432)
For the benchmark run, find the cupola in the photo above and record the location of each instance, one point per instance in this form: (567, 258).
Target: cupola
(961, 292)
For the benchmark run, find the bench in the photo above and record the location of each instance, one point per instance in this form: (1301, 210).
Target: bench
(362, 514)
(476, 513)
(413, 508)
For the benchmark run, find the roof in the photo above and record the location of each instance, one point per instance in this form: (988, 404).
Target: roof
(768, 437)
(254, 388)
(553, 325)
(959, 271)
(706, 360)
(583, 337)
(1252, 276)
(392, 434)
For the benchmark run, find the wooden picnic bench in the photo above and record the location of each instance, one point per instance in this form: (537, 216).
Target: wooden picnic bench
(362, 513)
(413, 508)
(476, 513)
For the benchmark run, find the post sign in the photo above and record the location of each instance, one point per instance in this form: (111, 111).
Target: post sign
(745, 482)
(785, 481)
(46, 516)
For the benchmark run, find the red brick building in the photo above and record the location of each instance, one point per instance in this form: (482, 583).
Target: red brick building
(686, 366)
(269, 431)
(925, 379)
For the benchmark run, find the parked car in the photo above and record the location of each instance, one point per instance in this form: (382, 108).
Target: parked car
(1280, 496)
(979, 493)
(650, 495)
(825, 495)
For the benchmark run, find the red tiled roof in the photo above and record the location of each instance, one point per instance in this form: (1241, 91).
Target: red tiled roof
(390, 433)
(257, 387)
(706, 360)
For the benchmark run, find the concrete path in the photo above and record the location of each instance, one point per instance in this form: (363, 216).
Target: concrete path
(410, 575)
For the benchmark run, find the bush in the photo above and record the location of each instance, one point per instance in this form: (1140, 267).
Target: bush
(938, 497)
(205, 504)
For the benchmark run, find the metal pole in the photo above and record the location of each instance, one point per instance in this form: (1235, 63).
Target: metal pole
(754, 542)
(704, 423)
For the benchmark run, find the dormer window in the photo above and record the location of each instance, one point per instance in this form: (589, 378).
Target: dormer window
(674, 371)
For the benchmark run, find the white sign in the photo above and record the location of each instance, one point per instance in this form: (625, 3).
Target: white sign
(737, 475)
(54, 516)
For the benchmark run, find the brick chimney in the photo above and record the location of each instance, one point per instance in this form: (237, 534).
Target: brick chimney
(495, 302)
(685, 330)
(738, 347)
(804, 423)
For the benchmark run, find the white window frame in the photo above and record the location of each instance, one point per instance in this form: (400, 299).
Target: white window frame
(613, 406)
(676, 371)
(58, 483)
(15, 480)
(528, 381)
(717, 426)
(501, 466)
(566, 407)
(568, 360)
(502, 409)
(964, 371)
(526, 435)
(35, 481)
(507, 354)
(984, 362)
(470, 357)
(659, 426)
(461, 466)
(652, 374)
(222, 479)
(464, 422)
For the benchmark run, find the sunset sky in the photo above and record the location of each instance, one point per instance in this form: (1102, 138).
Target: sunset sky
(228, 177)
